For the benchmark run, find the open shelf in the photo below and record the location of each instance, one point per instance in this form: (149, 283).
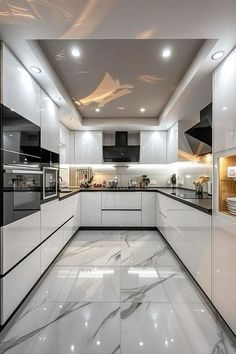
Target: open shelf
(227, 185)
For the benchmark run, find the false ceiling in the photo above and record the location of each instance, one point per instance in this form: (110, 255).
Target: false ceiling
(115, 78)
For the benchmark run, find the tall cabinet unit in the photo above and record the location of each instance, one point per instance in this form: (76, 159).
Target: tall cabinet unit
(224, 223)
(20, 92)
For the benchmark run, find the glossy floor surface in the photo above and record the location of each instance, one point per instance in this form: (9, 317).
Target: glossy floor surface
(115, 292)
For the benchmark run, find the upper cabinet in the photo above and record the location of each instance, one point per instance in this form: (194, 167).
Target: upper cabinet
(20, 91)
(153, 147)
(50, 139)
(88, 147)
(178, 148)
(64, 145)
(224, 108)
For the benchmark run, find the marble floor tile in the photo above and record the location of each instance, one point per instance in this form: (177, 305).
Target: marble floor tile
(147, 257)
(71, 327)
(167, 328)
(88, 256)
(70, 283)
(115, 292)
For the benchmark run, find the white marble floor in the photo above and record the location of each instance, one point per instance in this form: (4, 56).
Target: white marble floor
(115, 292)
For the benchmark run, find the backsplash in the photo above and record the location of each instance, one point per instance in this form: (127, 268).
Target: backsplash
(159, 174)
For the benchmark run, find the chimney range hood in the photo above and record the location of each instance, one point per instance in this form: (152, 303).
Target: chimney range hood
(121, 151)
(200, 135)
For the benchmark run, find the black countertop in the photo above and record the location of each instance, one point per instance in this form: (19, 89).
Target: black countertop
(185, 196)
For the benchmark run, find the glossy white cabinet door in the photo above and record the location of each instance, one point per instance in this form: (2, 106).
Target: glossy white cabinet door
(50, 218)
(90, 208)
(17, 283)
(121, 218)
(121, 200)
(188, 231)
(172, 144)
(20, 91)
(18, 239)
(148, 208)
(224, 265)
(76, 220)
(88, 147)
(153, 147)
(224, 108)
(50, 137)
(51, 247)
(64, 145)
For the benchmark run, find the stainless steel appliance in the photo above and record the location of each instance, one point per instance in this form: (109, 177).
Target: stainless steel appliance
(21, 195)
(50, 182)
(50, 168)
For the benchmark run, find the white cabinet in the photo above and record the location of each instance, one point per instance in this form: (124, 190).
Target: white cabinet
(49, 218)
(20, 91)
(18, 239)
(188, 231)
(178, 148)
(17, 283)
(90, 208)
(49, 124)
(224, 265)
(148, 208)
(64, 145)
(121, 218)
(76, 220)
(121, 200)
(224, 109)
(153, 147)
(51, 247)
(88, 147)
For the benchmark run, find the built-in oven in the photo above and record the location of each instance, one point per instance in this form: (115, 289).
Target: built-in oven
(21, 195)
(50, 182)
(50, 168)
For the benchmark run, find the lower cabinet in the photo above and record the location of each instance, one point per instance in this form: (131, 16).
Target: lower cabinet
(148, 208)
(121, 218)
(90, 208)
(188, 231)
(18, 239)
(224, 265)
(17, 283)
(50, 248)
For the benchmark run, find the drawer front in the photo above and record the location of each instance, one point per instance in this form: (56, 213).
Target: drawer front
(121, 218)
(16, 284)
(18, 239)
(51, 248)
(121, 200)
(90, 210)
(49, 218)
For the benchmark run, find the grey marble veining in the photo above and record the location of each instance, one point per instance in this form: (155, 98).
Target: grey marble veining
(115, 292)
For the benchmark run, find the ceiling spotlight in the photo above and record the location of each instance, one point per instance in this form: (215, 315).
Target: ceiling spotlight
(166, 53)
(121, 108)
(218, 55)
(35, 69)
(97, 109)
(75, 52)
(142, 109)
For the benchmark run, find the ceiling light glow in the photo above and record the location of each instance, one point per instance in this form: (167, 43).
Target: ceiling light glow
(75, 52)
(35, 69)
(142, 109)
(218, 55)
(166, 53)
(97, 109)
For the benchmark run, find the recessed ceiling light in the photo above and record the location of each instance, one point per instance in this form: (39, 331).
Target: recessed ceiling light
(97, 109)
(75, 52)
(35, 69)
(218, 55)
(121, 108)
(166, 53)
(142, 109)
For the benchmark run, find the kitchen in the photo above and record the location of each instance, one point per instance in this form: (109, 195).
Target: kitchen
(117, 191)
